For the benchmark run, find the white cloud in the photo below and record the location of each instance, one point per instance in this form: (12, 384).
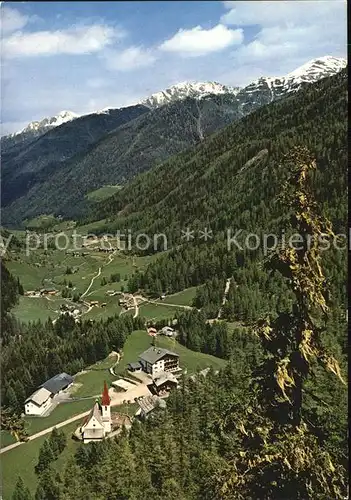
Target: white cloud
(12, 20)
(199, 41)
(96, 83)
(75, 40)
(289, 34)
(129, 59)
(271, 13)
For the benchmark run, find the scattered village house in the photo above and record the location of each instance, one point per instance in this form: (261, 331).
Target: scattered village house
(41, 400)
(167, 331)
(163, 383)
(98, 423)
(148, 404)
(155, 360)
(135, 367)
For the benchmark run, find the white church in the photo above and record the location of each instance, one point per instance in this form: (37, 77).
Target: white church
(97, 424)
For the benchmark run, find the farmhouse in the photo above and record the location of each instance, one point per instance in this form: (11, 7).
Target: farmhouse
(41, 400)
(155, 360)
(58, 383)
(38, 403)
(167, 331)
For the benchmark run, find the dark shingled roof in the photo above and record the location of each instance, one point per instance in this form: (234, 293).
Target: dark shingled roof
(135, 366)
(153, 354)
(58, 382)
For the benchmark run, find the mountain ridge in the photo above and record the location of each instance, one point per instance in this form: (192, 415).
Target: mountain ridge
(53, 175)
(308, 72)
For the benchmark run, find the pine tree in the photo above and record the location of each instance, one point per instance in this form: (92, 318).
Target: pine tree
(57, 441)
(21, 492)
(46, 457)
(49, 486)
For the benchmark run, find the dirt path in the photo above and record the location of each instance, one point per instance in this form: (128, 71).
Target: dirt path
(136, 314)
(226, 290)
(112, 368)
(174, 305)
(45, 431)
(109, 260)
(91, 283)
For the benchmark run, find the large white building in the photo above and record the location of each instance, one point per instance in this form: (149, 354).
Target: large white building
(38, 403)
(41, 400)
(155, 360)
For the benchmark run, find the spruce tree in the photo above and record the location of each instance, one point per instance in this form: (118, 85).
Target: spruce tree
(21, 492)
(46, 457)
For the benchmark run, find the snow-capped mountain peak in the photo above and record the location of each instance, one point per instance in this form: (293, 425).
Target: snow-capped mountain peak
(268, 89)
(186, 89)
(259, 92)
(48, 123)
(312, 70)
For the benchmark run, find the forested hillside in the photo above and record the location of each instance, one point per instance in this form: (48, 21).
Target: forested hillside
(50, 184)
(33, 162)
(230, 182)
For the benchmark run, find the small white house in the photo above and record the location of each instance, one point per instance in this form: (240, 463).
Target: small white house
(38, 403)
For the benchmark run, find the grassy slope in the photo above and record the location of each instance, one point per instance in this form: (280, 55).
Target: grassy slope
(52, 267)
(139, 341)
(22, 460)
(183, 298)
(102, 193)
(158, 311)
(32, 309)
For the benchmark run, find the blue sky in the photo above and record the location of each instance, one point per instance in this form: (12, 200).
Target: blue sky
(85, 56)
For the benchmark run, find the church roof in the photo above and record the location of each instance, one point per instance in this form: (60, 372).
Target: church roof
(105, 400)
(95, 412)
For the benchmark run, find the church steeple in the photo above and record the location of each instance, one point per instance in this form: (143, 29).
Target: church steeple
(105, 400)
(106, 408)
